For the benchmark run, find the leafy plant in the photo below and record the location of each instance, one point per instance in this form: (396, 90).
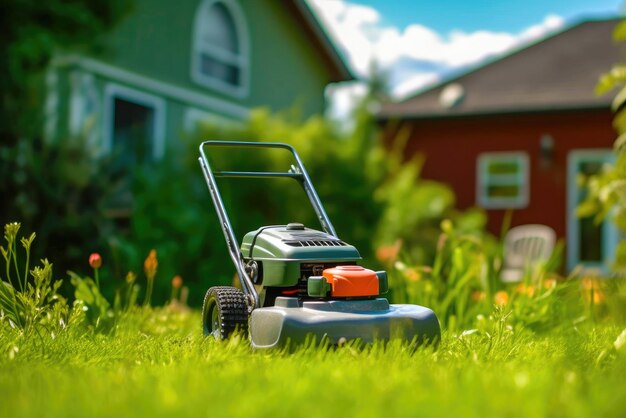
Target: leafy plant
(463, 284)
(52, 185)
(126, 296)
(29, 299)
(89, 300)
(57, 190)
(606, 197)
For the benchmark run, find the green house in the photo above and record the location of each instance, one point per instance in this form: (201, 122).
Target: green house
(171, 63)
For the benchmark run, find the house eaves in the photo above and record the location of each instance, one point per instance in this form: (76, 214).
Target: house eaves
(556, 73)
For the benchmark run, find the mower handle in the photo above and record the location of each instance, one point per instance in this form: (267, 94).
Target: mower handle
(297, 173)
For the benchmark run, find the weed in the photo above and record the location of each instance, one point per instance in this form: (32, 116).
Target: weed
(35, 304)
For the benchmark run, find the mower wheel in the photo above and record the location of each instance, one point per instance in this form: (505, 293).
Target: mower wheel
(224, 311)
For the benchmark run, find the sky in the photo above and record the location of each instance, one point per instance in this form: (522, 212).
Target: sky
(419, 42)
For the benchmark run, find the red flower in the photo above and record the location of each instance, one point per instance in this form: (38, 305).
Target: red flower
(177, 282)
(95, 261)
(150, 265)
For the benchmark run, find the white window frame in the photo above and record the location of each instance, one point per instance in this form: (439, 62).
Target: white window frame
(484, 180)
(610, 235)
(242, 60)
(51, 106)
(113, 91)
(84, 92)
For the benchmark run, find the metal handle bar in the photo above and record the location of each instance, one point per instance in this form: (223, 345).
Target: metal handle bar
(297, 173)
(255, 174)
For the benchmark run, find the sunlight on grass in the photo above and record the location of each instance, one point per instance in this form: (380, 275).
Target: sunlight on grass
(546, 347)
(156, 363)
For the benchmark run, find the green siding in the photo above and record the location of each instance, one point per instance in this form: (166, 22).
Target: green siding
(156, 42)
(150, 54)
(285, 69)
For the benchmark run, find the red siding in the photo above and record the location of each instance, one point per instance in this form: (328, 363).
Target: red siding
(451, 147)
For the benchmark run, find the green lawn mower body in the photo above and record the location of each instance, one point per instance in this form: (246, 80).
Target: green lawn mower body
(300, 283)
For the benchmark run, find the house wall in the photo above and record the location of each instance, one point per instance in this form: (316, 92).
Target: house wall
(148, 57)
(452, 145)
(156, 41)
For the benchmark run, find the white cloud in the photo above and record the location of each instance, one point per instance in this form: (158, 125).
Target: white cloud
(412, 57)
(416, 55)
(416, 82)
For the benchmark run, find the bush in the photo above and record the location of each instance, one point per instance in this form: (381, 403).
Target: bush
(57, 189)
(372, 198)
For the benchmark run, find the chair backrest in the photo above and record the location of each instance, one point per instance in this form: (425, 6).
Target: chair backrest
(528, 244)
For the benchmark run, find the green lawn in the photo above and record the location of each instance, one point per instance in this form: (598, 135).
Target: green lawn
(156, 363)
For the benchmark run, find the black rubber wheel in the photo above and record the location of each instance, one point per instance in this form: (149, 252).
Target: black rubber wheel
(224, 311)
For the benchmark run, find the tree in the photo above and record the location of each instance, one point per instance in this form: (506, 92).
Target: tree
(43, 185)
(31, 32)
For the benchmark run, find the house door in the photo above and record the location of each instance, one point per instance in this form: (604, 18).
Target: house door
(134, 130)
(589, 244)
(132, 133)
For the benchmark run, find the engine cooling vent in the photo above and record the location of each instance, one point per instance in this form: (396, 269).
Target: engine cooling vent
(316, 243)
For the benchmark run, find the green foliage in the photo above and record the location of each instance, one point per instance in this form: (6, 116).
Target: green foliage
(126, 296)
(494, 369)
(463, 285)
(372, 197)
(33, 302)
(413, 209)
(59, 190)
(32, 31)
(173, 212)
(491, 360)
(89, 299)
(52, 188)
(30, 299)
(606, 197)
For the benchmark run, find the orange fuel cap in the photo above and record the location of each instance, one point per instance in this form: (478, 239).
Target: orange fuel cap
(347, 281)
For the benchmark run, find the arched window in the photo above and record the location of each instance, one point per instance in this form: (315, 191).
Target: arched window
(220, 47)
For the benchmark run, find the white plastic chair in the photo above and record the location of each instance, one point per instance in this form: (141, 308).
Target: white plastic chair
(524, 247)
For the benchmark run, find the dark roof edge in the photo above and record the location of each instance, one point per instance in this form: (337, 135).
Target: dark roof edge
(497, 112)
(467, 71)
(334, 54)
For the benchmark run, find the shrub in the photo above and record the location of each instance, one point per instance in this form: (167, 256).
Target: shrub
(371, 196)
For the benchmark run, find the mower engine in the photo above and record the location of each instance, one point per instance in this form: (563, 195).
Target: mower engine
(300, 262)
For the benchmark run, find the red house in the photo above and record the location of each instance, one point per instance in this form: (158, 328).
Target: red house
(517, 133)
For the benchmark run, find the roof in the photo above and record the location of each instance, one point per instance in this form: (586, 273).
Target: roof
(559, 72)
(320, 40)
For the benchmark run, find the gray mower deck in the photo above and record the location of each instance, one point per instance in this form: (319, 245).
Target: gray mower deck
(368, 320)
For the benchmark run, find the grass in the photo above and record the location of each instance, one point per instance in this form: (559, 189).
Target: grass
(548, 347)
(156, 363)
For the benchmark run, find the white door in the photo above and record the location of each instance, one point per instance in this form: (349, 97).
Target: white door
(589, 244)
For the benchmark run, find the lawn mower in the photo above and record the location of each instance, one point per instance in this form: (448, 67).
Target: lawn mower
(299, 283)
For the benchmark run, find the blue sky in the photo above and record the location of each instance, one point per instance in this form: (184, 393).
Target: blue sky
(421, 42)
(509, 16)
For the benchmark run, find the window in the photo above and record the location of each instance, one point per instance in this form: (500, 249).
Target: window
(220, 47)
(502, 181)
